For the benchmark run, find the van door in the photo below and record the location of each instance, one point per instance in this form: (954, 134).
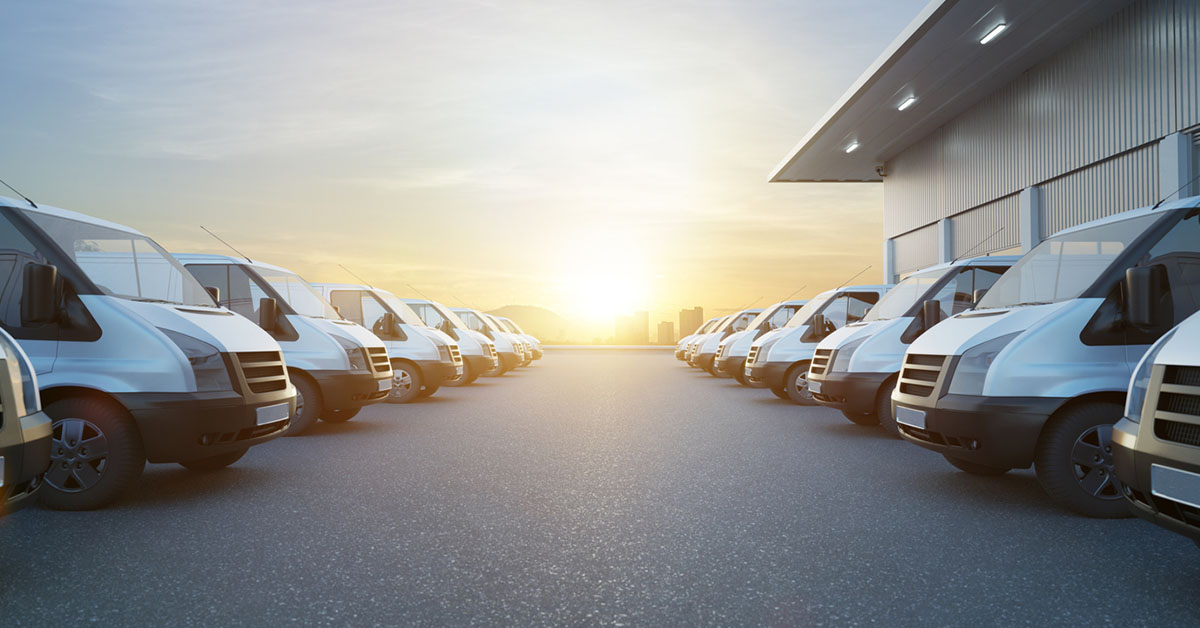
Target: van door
(17, 252)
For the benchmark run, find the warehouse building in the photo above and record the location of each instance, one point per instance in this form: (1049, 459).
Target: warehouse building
(993, 124)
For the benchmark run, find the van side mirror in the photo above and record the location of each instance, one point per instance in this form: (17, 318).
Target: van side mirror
(819, 328)
(1144, 284)
(388, 324)
(338, 310)
(39, 301)
(268, 313)
(978, 296)
(214, 292)
(931, 313)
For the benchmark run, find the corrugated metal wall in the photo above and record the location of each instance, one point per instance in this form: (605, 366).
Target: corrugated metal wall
(987, 228)
(1120, 88)
(1111, 186)
(917, 248)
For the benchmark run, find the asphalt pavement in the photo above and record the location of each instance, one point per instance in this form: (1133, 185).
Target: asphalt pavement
(607, 488)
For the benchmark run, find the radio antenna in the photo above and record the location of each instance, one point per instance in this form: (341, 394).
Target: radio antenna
(1160, 202)
(360, 279)
(855, 275)
(19, 194)
(978, 244)
(418, 292)
(226, 244)
(464, 303)
(794, 292)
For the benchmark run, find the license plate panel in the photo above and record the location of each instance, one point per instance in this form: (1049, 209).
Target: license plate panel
(385, 384)
(1175, 484)
(814, 387)
(910, 417)
(272, 414)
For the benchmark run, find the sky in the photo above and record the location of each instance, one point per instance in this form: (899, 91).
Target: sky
(591, 158)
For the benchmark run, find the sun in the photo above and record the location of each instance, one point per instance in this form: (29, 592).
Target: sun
(599, 282)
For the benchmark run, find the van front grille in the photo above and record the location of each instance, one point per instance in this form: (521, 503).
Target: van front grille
(820, 363)
(752, 356)
(379, 359)
(721, 350)
(1182, 375)
(1177, 432)
(920, 374)
(261, 371)
(455, 354)
(490, 349)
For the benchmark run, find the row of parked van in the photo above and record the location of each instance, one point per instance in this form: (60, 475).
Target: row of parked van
(118, 353)
(1080, 359)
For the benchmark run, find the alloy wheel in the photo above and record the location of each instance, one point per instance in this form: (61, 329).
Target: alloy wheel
(78, 455)
(1091, 458)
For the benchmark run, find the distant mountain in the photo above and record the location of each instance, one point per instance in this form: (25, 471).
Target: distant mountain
(547, 326)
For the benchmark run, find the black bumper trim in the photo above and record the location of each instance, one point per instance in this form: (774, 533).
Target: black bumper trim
(855, 393)
(1132, 466)
(770, 373)
(342, 390)
(994, 431)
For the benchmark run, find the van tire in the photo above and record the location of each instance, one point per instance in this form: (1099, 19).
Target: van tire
(339, 416)
(468, 376)
(115, 472)
(740, 377)
(883, 408)
(791, 384)
(781, 393)
(1074, 460)
(406, 382)
(974, 468)
(214, 463)
(309, 404)
(718, 373)
(428, 391)
(861, 419)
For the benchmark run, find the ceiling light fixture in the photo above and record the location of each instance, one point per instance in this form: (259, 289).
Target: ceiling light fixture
(994, 33)
(908, 102)
(852, 147)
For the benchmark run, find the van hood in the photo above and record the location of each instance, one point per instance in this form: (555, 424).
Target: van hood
(776, 334)
(849, 333)
(1181, 348)
(739, 342)
(217, 326)
(438, 334)
(346, 329)
(960, 332)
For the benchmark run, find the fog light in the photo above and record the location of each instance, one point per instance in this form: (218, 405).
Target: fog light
(206, 439)
(973, 445)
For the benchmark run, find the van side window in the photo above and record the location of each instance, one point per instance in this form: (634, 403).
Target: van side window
(1179, 252)
(372, 310)
(15, 253)
(213, 276)
(349, 303)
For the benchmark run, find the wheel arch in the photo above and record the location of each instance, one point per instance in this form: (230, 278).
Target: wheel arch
(1103, 396)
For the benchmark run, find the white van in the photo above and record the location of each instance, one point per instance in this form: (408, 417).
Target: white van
(336, 366)
(533, 344)
(705, 356)
(25, 432)
(1156, 446)
(510, 354)
(1037, 373)
(779, 359)
(422, 358)
(684, 346)
(856, 367)
(732, 351)
(134, 360)
(524, 351)
(478, 351)
(692, 353)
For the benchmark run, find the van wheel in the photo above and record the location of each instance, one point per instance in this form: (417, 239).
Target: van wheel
(781, 393)
(468, 376)
(796, 385)
(428, 391)
(740, 376)
(339, 416)
(213, 463)
(96, 453)
(1074, 461)
(974, 468)
(861, 419)
(495, 371)
(883, 408)
(406, 383)
(308, 405)
(718, 373)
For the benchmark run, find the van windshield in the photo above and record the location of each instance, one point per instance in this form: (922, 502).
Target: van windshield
(299, 295)
(810, 308)
(899, 300)
(1063, 267)
(400, 309)
(124, 264)
(449, 315)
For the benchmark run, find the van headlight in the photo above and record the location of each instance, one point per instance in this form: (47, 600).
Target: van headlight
(973, 366)
(354, 353)
(842, 355)
(207, 364)
(444, 353)
(1140, 382)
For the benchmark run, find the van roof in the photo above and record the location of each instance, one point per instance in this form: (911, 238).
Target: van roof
(1183, 203)
(220, 258)
(50, 210)
(982, 260)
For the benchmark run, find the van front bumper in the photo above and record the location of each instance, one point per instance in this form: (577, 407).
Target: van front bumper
(479, 363)
(998, 432)
(733, 365)
(769, 374)
(1132, 458)
(437, 371)
(854, 393)
(705, 360)
(178, 427)
(25, 451)
(341, 390)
